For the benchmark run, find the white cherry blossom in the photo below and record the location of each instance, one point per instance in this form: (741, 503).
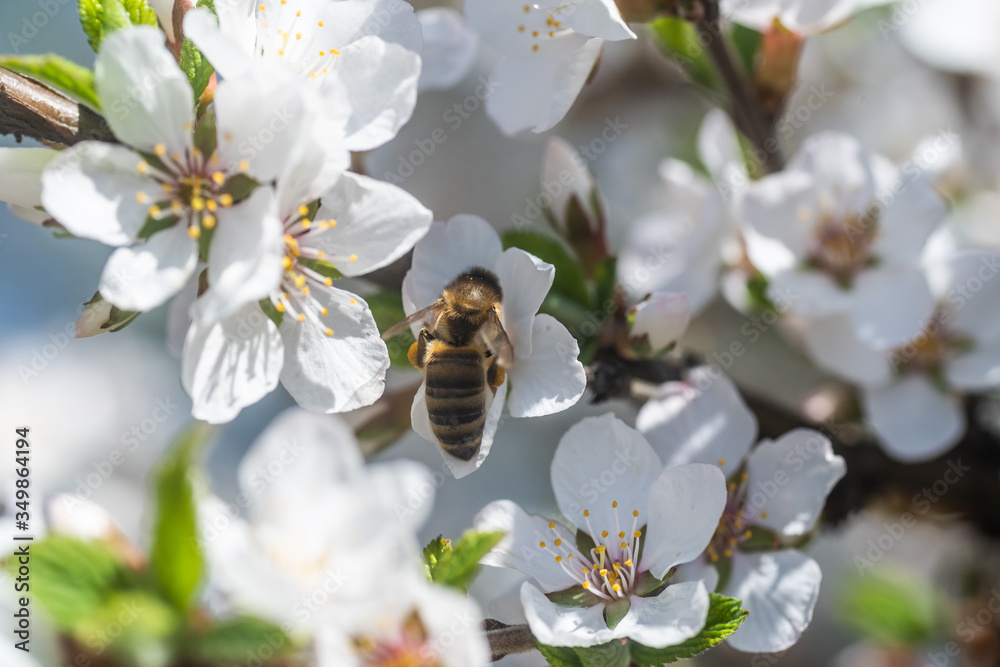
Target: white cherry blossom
(545, 377)
(450, 48)
(364, 51)
(806, 17)
(548, 50)
(313, 528)
(840, 231)
(609, 483)
(775, 494)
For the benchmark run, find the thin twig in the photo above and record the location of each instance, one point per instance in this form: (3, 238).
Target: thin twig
(747, 111)
(507, 639)
(31, 109)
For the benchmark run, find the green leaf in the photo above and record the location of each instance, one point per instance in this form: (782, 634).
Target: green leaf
(893, 607)
(272, 313)
(140, 13)
(612, 654)
(143, 624)
(615, 611)
(679, 39)
(113, 17)
(606, 280)
(90, 20)
(175, 558)
(70, 578)
(231, 640)
(746, 43)
(196, 66)
(458, 567)
(725, 615)
(574, 596)
(60, 73)
(433, 552)
(328, 270)
(387, 309)
(569, 279)
(559, 656)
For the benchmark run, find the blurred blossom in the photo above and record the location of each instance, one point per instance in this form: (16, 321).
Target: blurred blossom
(450, 48)
(954, 35)
(602, 472)
(806, 17)
(662, 318)
(841, 231)
(776, 493)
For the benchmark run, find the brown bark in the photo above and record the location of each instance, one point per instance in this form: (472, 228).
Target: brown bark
(31, 109)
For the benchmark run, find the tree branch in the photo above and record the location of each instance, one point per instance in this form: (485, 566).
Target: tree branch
(747, 111)
(31, 109)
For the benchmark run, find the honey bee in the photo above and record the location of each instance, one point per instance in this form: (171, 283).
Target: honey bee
(462, 349)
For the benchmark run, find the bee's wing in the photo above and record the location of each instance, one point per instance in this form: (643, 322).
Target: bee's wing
(400, 327)
(496, 340)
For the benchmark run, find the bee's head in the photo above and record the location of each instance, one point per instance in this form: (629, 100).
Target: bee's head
(474, 292)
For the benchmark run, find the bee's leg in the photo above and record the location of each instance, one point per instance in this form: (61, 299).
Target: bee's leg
(417, 354)
(495, 375)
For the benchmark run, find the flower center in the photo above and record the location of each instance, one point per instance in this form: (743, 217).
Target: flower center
(928, 351)
(305, 268)
(610, 571)
(406, 646)
(295, 39)
(190, 188)
(843, 245)
(732, 529)
(538, 24)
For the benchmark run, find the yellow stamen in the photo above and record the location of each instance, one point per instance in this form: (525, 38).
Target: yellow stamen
(194, 232)
(354, 258)
(244, 165)
(328, 332)
(208, 221)
(211, 205)
(160, 150)
(142, 167)
(197, 203)
(226, 200)
(301, 317)
(154, 211)
(141, 197)
(219, 178)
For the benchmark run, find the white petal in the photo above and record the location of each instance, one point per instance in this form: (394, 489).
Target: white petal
(299, 453)
(891, 306)
(685, 504)
(907, 219)
(260, 115)
(702, 420)
(673, 616)
(92, 189)
(968, 282)
(339, 372)
(447, 250)
(599, 461)
(144, 276)
(839, 166)
(835, 347)
(975, 370)
(352, 20)
(450, 48)
(377, 223)
(597, 18)
(536, 93)
(779, 589)
(954, 35)
(146, 98)
(554, 625)
(224, 44)
(551, 378)
(520, 548)
(179, 315)
(771, 208)
(525, 281)
(422, 425)
(913, 419)
(663, 317)
(697, 570)
(719, 146)
(231, 364)
(22, 174)
(453, 625)
(788, 479)
(408, 487)
(809, 293)
(245, 264)
(381, 81)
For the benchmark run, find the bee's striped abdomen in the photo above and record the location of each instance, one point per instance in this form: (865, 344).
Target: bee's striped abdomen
(456, 398)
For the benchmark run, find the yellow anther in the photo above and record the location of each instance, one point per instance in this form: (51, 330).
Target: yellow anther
(353, 302)
(166, 187)
(600, 548)
(541, 544)
(197, 203)
(176, 207)
(160, 150)
(604, 533)
(211, 205)
(746, 535)
(637, 533)
(303, 209)
(614, 503)
(569, 555)
(558, 543)
(616, 588)
(320, 254)
(628, 563)
(558, 559)
(301, 317)
(728, 553)
(586, 584)
(328, 281)
(298, 35)
(298, 14)
(623, 545)
(305, 291)
(353, 258)
(534, 47)
(226, 200)
(763, 515)
(635, 513)
(621, 534)
(175, 156)
(520, 28)
(603, 572)
(154, 211)
(194, 232)
(228, 136)
(534, 33)
(261, 7)
(328, 332)
(142, 167)
(141, 197)
(244, 165)
(208, 221)
(552, 524)
(299, 281)
(324, 312)
(306, 224)
(551, 33)
(722, 462)
(586, 512)
(320, 23)
(287, 262)
(527, 8)
(280, 307)
(218, 177)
